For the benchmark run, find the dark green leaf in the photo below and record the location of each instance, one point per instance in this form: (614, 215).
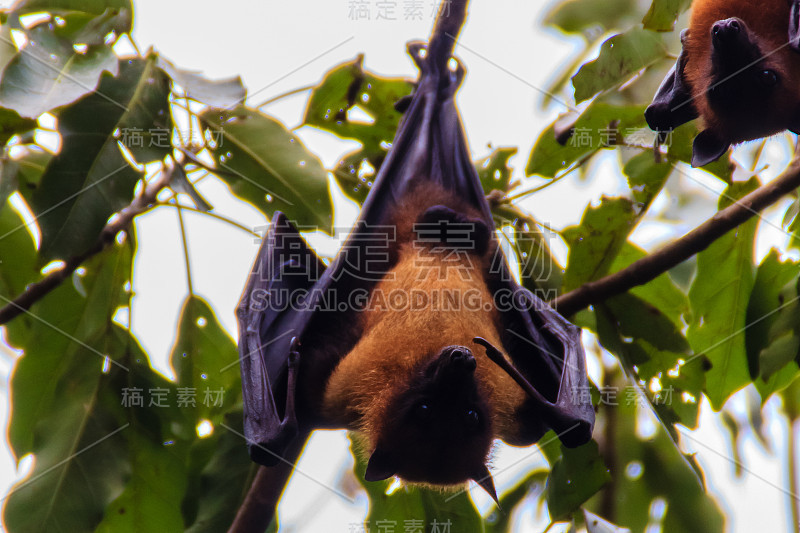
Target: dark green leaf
(593, 130)
(266, 165)
(596, 524)
(493, 170)
(94, 7)
(66, 410)
(205, 358)
(660, 292)
(765, 303)
(17, 256)
(348, 86)
(646, 178)
(621, 57)
(220, 475)
(595, 243)
(719, 298)
(89, 179)
(575, 478)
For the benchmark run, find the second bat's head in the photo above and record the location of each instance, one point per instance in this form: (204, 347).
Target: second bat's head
(745, 80)
(437, 429)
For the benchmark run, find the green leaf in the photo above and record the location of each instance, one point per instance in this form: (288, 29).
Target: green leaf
(661, 292)
(640, 320)
(94, 32)
(94, 7)
(266, 165)
(621, 57)
(596, 524)
(646, 177)
(595, 243)
(220, 475)
(663, 14)
(719, 298)
(539, 271)
(48, 73)
(11, 124)
(575, 478)
(89, 179)
(592, 132)
(765, 304)
(205, 358)
(349, 86)
(18, 253)
(66, 410)
(576, 16)
(225, 93)
(493, 170)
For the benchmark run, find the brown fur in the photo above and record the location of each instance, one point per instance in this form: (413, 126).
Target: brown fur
(769, 20)
(395, 342)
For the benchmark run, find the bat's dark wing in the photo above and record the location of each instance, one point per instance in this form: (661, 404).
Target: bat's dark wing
(794, 26)
(270, 315)
(672, 104)
(429, 145)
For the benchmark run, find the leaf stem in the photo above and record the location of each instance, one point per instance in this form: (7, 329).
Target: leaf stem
(185, 252)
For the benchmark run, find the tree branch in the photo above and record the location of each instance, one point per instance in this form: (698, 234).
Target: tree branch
(261, 502)
(36, 291)
(697, 240)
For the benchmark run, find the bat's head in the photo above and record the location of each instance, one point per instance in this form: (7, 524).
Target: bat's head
(745, 84)
(745, 78)
(438, 429)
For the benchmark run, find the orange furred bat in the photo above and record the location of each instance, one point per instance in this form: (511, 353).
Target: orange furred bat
(739, 72)
(416, 335)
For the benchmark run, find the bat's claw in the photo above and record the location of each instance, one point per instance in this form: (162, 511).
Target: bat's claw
(294, 354)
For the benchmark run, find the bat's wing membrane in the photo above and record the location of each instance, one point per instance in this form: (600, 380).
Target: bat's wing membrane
(672, 104)
(270, 315)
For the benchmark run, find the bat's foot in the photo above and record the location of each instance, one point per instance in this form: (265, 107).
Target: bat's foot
(289, 422)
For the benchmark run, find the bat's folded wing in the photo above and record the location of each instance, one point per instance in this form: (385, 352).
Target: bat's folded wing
(271, 314)
(547, 349)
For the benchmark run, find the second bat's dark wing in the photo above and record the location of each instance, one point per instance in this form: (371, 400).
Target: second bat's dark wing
(314, 313)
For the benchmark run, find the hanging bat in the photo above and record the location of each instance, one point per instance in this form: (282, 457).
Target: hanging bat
(416, 336)
(739, 71)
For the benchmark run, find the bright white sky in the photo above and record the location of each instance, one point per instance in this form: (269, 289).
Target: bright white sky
(277, 46)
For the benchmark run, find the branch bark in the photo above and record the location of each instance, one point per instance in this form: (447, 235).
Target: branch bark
(261, 502)
(697, 240)
(36, 291)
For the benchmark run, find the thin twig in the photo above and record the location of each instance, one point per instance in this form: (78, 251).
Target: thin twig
(697, 240)
(36, 291)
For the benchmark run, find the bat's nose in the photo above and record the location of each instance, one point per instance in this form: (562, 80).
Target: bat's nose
(462, 359)
(726, 32)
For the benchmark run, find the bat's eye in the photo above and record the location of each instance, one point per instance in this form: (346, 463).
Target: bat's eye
(473, 418)
(768, 78)
(422, 412)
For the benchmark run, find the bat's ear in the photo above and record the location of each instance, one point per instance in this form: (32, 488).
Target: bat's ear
(708, 147)
(672, 104)
(380, 466)
(484, 479)
(794, 26)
